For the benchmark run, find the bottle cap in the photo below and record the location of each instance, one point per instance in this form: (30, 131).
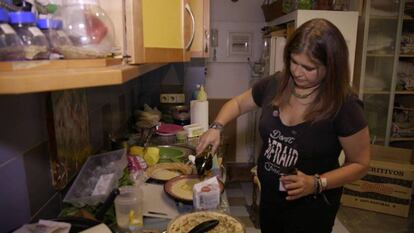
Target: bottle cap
(4, 16)
(49, 23)
(202, 95)
(22, 17)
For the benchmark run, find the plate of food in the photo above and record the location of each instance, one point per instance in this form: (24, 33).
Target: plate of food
(186, 222)
(174, 153)
(166, 171)
(181, 187)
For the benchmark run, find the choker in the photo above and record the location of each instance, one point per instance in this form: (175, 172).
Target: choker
(302, 96)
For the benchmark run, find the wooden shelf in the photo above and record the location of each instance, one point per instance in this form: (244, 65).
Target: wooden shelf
(404, 92)
(37, 80)
(406, 55)
(404, 109)
(400, 139)
(408, 18)
(375, 92)
(373, 54)
(380, 17)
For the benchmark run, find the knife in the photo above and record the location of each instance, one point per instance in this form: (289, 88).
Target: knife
(205, 226)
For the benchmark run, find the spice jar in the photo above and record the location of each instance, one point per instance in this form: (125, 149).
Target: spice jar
(58, 40)
(34, 41)
(11, 47)
(89, 28)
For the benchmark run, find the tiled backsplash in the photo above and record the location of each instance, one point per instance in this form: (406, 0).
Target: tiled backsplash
(25, 179)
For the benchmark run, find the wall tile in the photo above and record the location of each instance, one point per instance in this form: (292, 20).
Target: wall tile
(149, 92)
(96, 130)
(106, 112)
(97, 97)
(14, 201)
(49, 210)
(22, 123)
(39, 179)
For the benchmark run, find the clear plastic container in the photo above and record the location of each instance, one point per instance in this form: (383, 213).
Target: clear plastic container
(11, 47)
(97, 178)
(58, 40)
(128, 208)
(34, 41)
(89, 28)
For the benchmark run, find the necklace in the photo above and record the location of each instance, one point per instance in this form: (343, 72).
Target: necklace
(302, 96)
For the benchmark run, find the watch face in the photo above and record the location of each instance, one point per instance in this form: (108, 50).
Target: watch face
(216, 126)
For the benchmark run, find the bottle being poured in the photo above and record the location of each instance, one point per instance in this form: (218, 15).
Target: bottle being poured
(204, 163)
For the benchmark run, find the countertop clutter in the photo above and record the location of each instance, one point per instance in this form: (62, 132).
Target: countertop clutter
(161, 191)
(140, 185)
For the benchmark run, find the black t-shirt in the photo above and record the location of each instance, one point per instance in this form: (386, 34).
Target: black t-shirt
(310, 147)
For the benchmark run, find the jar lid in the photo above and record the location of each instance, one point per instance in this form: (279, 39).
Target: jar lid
(4, 16)
(22, 17)
(49, 23)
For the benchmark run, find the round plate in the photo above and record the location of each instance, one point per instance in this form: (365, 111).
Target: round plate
(186, 222)
(174, 153)
(165, 171)
(181, 187)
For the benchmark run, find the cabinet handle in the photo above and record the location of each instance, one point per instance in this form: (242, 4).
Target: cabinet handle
(188, 9)
(207, 38)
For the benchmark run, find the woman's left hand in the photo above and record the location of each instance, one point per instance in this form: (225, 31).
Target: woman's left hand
(298, 186)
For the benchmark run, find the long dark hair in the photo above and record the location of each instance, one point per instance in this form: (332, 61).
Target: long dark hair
(325, 45)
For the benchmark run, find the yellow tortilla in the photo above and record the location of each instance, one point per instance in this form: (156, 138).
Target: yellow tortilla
(163, 174)
(184, 188)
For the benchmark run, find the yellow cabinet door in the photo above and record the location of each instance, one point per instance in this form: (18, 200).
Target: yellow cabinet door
(152, 31)
(201, 45)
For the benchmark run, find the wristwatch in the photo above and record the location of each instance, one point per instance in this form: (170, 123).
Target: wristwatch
(216, 125)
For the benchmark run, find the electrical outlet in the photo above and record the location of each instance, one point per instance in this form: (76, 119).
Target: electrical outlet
(172, 98)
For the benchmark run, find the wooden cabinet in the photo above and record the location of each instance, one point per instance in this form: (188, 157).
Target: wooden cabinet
(152, 31)
(201, 44)
(147, 31)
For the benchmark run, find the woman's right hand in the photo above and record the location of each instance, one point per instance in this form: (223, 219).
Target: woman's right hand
(210, 137)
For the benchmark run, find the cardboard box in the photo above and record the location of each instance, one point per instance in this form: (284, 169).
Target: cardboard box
(387, 187)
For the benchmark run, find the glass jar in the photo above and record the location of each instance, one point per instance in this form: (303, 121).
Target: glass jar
(89, 28)
(11, 47)
(59, 42)
(34, 41)
(128, 208)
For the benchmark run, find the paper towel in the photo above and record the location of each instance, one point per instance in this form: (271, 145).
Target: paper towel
(199, 113)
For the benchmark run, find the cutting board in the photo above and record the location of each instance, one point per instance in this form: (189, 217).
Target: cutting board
(157, 203)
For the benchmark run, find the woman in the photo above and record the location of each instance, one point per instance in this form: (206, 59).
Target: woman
(309, 114)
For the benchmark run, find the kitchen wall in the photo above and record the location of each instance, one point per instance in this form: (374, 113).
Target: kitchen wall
(26, 192)
(228, 76)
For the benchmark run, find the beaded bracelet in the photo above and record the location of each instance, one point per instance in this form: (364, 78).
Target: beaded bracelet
(318, 184)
